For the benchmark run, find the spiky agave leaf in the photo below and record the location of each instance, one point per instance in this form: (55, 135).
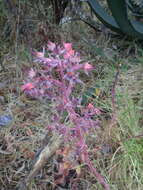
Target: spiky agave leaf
(136, 6)
(138, 3)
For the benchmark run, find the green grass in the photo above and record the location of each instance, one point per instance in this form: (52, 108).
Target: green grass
(124, 166)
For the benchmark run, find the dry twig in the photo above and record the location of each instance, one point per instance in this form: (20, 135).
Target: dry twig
(43, 157)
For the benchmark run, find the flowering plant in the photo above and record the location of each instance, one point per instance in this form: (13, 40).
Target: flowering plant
(56, 80)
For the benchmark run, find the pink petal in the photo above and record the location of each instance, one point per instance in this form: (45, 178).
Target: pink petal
(87, 67)
(90, 106)
(69, 54)
(93, 109)
(39, 54)
(27, 86)
(68, 46)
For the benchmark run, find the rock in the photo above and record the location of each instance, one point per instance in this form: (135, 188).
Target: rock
(5, 120)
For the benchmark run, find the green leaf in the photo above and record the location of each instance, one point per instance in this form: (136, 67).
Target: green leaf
(119, 12)
(89, 94)
(105, 18)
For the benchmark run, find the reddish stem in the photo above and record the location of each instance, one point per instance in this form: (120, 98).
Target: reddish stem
(113, 93)
(96, 173)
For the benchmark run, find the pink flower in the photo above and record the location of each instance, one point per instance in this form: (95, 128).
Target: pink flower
(87, 67)
(27, 86)
(39, 54)
(93, 110)
(90, 106)
(68, 54)
(69, 51)
(67, 46)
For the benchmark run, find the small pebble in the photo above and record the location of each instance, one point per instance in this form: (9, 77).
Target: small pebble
(5, 120)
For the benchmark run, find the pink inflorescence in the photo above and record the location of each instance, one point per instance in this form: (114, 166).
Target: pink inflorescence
(56, 80)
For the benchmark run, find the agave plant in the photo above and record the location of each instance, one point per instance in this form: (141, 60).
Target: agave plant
(120, 21)
(136, 7)
(138, 3)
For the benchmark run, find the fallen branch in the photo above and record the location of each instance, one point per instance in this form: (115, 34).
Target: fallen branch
(43, 157)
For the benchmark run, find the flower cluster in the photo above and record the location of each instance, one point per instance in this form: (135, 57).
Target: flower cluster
(56, 79)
